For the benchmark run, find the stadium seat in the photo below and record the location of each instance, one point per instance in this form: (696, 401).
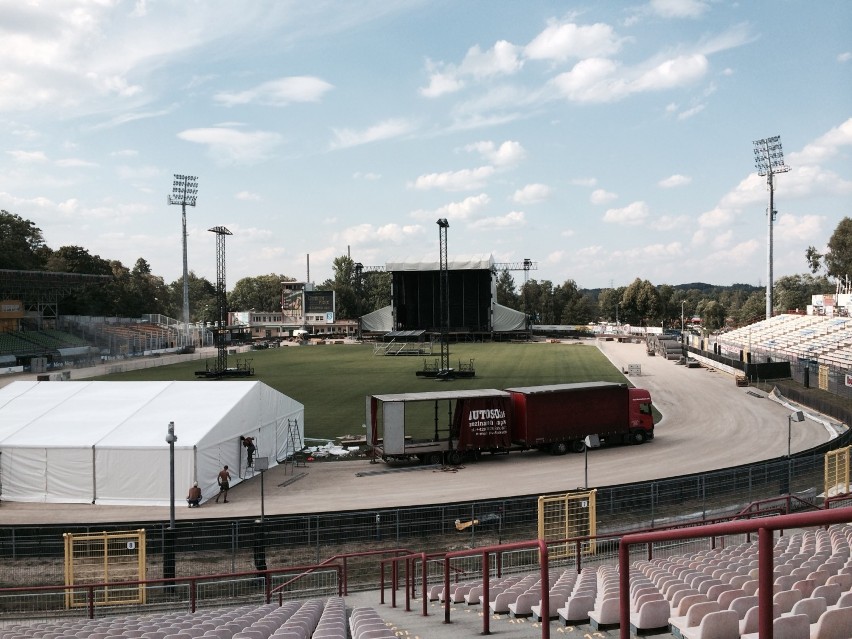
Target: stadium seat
(833, 624)
(722, 624)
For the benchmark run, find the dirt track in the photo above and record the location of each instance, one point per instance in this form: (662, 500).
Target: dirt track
(707, 423)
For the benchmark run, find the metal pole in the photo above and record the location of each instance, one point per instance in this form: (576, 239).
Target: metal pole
(185, 281)
(789, 460)
(171, 439)
(262, 508)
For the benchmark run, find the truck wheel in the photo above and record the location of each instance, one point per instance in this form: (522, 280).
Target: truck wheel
(559, 448)
(638, 437)
(454, 458)
(578, 446)
(433, 459)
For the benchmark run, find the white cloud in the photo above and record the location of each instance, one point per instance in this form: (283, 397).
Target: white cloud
(844, 57)
(280, 92)
(678, 8)
(651, 252)
(135, 173)
(513, 219)
(28, 157)
(715, 218)
(737, 255)
(464, 180)
(807, 228)
(633, 214)
(670, 222)
(369, 176)
(601, 196)
(508, 154)
(367, 234)
(560, 41)
(568, 233)
(590, 181)
(228, 146)
(466, 209)
(824, 147)
(671, 73)
(388, 129)
(501, 59)
(75, 163)
(685, 115)
(674, 181)
(247, 196)
(531, 194)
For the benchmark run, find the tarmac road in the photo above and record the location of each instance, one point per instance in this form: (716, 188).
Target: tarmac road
(708, 423)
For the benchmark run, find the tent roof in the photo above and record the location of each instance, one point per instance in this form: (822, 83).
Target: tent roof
(115, 414)
(476, 263)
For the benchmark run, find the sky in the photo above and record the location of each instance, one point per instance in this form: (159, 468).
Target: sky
(604, 141)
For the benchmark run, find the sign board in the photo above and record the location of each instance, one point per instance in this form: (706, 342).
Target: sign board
(261, 463)
(634, 369)
(848, 379)
(319, 302)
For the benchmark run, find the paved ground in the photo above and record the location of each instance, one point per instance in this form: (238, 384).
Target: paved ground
(707, 423)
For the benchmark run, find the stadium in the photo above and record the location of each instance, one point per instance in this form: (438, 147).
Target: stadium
(749, 536)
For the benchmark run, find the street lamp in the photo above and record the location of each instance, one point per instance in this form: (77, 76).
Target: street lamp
(682, 334)
(795, 416)
(169, 546)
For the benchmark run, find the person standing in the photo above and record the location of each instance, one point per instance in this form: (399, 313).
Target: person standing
(248, 442)
(224, 479)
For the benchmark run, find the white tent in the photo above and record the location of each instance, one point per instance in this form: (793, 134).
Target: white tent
(105, 442)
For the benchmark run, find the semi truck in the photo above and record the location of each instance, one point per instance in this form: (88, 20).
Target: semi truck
(451, 426)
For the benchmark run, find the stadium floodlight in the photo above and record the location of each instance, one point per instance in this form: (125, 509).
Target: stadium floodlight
(769, 160)
(184, 193)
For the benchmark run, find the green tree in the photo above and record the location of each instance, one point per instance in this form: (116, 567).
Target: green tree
(641, 302)
(506, 293)
(794, 292)
(22, 246)
(261, 293)
(713, 316)
(348, 305)
(375, 291)
(202, 299)
(753, 310)
(609, 304)
(837, 261)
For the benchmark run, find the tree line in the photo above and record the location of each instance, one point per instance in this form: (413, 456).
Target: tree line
(134, 291)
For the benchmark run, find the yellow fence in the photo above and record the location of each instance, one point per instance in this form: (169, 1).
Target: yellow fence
(92, 558)
(837, 472)
(564, 516)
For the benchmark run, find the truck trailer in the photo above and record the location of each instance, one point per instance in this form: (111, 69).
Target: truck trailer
(449, 426)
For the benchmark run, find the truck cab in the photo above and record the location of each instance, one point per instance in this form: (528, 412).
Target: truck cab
(641, 414)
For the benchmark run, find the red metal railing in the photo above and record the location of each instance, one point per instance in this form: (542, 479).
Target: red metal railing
(191, 583)
(763, 527)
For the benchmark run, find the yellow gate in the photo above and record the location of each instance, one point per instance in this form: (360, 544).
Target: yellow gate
(837, 472)
(566, 516)
(823, 377)
(104, 558)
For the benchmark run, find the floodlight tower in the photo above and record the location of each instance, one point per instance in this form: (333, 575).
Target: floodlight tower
(221, 298)
(184, 192)
(444, 305)
(769, 160)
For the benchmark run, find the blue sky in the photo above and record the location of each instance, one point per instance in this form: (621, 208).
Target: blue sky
(603, 140)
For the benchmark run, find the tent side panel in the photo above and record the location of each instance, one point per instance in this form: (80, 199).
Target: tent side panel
(24, 477)
(69, 475)
(140, 476)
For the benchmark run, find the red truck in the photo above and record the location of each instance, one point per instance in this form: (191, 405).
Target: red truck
(555, 418)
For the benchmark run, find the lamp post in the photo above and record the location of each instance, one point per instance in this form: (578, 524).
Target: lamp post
(682, 334)
(795, 416)
(169, 538)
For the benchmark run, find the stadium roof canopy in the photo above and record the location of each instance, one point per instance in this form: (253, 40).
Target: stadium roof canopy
(33, 286)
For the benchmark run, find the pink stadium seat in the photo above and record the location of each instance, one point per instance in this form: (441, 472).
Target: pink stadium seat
(722, 624)
(833, 624)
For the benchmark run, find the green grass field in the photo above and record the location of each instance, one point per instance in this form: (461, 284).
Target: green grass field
(333, 380)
